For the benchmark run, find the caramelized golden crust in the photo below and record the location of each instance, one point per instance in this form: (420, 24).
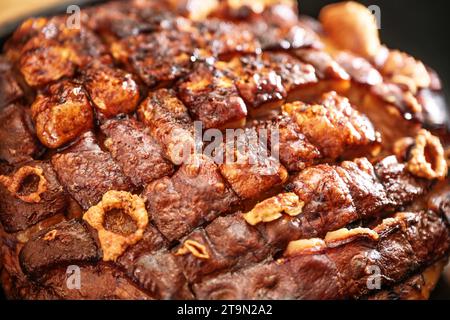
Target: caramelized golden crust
(212, 98)
(112, 91)
(163, 109)
(224, 38)
(61, 112)
(30, 194)
(87, 172)
(28, 29)
(118, 19)
(55, 58)
(17, 140)
(10, 89)
(294, 73)
(325, 195)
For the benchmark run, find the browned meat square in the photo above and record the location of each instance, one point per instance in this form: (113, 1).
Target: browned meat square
(118, 19)
(152, 241)
(248, 165)
(284, 37)
(30, 194)
(203, 149)
(158, 58)
(10, 89)
(324, 64)
(160, 275)
(293, 148)
(169, 123)
(47, 50)
(197, 257)
(333, 125)
(87, 172)
(228, 243)
(112, 91)
(61, 113)
(18, 142)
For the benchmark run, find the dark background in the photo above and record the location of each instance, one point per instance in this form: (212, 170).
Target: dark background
(418, 27)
